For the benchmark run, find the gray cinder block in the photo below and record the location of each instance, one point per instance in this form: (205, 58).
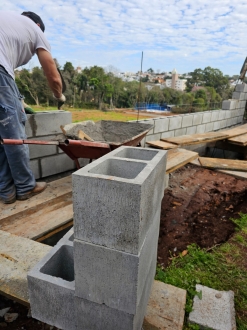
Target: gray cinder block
(91, 315)
(47, 123)
(161, 125)
(206, 117)
(175, 122)
(115, 199)
(187, 120)
(201, 128)
(222, 114)
(179, 132)
(34, 165)
(215, 310)
(239, 96)
(68, 238)
(191, 130)
(39, 151)
(241, 88)
(215, 115)
(112, 277)
(56, 164)
(229, 104)
(197, 118)
(51, 288)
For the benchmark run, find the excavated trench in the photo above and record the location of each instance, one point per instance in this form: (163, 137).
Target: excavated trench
(197, 208)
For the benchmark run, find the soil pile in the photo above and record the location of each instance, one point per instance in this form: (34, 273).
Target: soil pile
(196, 208)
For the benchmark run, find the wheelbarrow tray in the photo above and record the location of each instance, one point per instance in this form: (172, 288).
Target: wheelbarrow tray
(86, 149)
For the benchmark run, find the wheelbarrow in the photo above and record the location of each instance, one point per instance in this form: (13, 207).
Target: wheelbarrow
(76, 149)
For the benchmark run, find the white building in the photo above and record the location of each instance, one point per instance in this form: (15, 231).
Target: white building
(175, 82)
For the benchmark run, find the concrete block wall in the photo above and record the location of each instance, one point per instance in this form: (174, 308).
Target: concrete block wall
(46, 160)
(231, 114)
(104, 267)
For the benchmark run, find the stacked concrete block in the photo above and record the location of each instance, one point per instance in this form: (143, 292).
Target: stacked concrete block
(175, 122)
(46, 160)
(117, 201)
(51, 287)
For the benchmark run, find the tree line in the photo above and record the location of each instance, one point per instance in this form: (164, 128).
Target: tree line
(95, 87)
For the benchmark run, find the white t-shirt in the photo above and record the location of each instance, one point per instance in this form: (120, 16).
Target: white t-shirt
(20, 37)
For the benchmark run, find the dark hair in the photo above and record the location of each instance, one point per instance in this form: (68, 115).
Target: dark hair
(36, 18)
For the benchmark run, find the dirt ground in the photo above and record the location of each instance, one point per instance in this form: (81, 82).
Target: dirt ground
(196, 208)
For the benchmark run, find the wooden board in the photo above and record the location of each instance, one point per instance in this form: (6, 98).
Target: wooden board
(239, 130)
(226, 164)
(196, 138)
(239, 140)
(179, 157)
(41, 214)
(17, 256)
(162, 144)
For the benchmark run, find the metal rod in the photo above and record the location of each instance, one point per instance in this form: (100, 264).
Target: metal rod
(139, 91)
(68, 142)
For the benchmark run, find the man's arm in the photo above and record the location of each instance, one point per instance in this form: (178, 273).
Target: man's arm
(50, 71)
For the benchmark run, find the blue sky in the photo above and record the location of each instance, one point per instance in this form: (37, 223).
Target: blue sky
(181, 34)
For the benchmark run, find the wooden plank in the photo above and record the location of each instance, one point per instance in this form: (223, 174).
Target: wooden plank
(179, 157)
(162, 144)
(239, 130)
(17, 256)
(55, 190)
(226, 164)
(44, 220)
(239, 140)
(196, 138)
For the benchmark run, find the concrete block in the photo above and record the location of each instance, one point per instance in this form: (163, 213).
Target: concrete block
(115, 278)
(179, 132)
(215, 310)
(67, 239)
(191, 130)
(229, 104)
(215, 115)
(241, 88)
(223, 123)
(228, 114)
(242, 104)
(47, 123)
(175, 122)
(95, 316)
(216, 125)
(187, 120)
(148, 121)
(222, 114)
(239, 96)
(51, 288)
(240, 119)
(56, 164)
(153, 137)
(234, 113)
(241, 111)
(39, 151)
(201, 128)
(209, 127)
(197, 118)
(206, 117)
(35, 167)
(115, 199)
(229, 122)
(167, 134)
(161, 125)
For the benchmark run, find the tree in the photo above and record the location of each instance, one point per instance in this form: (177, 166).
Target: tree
(151, 71)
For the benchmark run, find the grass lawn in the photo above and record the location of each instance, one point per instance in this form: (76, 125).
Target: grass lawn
(95, 115)
(222, 268)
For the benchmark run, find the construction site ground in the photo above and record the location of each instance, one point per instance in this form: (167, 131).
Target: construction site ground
(197, 207)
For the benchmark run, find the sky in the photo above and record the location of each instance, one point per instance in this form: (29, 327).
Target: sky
(172, 34)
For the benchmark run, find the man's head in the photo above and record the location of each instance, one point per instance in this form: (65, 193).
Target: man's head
(34, 17)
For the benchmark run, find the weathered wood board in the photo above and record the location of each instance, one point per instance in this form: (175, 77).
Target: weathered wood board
(17, 256)
(196, 138)
(178, 157)
(236, 174)
(223, 164)
(239, 130)
(40, 214)
(239, 140)
(162, 144)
